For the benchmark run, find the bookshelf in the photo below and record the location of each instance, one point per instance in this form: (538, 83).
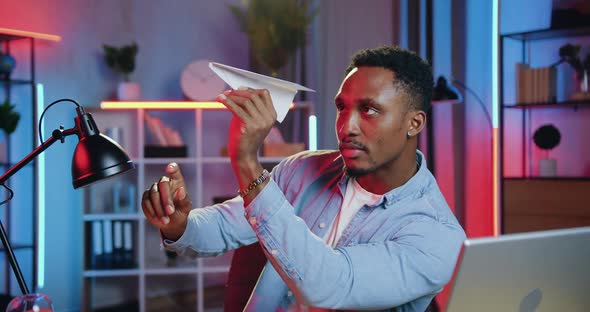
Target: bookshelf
(20, 215)
(158, 281)
(531, 202)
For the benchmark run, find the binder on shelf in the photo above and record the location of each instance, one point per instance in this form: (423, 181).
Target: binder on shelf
(132, 198)
(97, 246)
(127, 200)
(117, 197)
(128, 251)
(107, 238)
(91, 200)
(117, 244)
(124, 198)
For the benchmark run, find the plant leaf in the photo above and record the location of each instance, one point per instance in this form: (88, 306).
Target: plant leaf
(8, 118)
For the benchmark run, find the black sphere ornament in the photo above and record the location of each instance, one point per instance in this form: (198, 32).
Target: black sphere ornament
(547, 137)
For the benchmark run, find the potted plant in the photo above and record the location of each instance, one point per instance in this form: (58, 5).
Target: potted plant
(8, 122)
(122, 61)
(275, 29)
(570, 54)
(547, 137)
(7, 64)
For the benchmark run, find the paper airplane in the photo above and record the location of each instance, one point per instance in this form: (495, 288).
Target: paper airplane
(282, 92)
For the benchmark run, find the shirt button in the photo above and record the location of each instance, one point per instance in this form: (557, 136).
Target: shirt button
(274, 252)
(253, 220)
(322, 225)
(289, 293)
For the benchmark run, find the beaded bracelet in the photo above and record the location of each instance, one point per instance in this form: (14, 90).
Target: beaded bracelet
(265, 174)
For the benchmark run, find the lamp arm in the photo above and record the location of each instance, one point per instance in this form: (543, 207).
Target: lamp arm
(58, 134)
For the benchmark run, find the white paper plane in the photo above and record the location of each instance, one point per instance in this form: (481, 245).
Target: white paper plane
(282, 92)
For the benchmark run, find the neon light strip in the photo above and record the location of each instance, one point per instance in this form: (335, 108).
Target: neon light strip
(40, 199)
(29, 34)
(495, 117)
(163, 105)
(495, 81)
(496, 186)
(313, 133)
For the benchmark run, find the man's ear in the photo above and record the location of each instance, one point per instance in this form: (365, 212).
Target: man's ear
(416, 121)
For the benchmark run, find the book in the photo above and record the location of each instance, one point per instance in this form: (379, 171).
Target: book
(107, 238)
(128, 250)
(117, 244)
(521, 82)
(97, 246)
(155, 128)
(116, 193)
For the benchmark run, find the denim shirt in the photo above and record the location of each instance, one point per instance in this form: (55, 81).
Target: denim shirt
(393, 256)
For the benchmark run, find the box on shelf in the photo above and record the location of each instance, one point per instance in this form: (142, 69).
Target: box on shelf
(153, 151)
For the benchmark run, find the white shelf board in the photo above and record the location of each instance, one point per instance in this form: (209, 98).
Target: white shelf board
(226, 160)
(167, 160)
(112, 216)
(111, 273)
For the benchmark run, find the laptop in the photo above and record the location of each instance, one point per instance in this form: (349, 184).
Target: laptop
(535, 271)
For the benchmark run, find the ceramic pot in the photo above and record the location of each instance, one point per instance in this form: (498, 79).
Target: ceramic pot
(547, 167)
(129, 91)
(7, 64)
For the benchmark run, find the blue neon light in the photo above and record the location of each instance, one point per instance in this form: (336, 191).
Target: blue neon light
(40, 198)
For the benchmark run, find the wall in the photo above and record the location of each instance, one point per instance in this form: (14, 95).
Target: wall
(344, 26)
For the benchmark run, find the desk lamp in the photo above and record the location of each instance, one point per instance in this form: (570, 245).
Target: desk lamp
(96, 157)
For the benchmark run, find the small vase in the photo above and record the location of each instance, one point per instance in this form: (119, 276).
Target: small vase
(547, 167)
(129, 91)
(581, 91)
(30, 303)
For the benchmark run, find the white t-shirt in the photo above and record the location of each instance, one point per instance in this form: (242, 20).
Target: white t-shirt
(354, 199)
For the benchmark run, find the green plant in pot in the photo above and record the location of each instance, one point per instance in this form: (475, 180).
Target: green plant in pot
(547, 137)
(8, 122)
(275, 29)
(122, 61)
(8, 118)
(570, 54)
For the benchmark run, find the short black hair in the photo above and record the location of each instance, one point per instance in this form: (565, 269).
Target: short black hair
(413, 75)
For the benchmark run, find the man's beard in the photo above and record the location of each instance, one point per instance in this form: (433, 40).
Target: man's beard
(355, 173)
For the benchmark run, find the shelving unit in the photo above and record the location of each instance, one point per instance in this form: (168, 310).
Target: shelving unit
(19, 216)
(158, 283)
(530, 202)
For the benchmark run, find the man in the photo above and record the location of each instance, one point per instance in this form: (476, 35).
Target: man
(365, 227)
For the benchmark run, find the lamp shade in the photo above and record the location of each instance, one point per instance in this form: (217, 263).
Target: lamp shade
(445, 92)
(98, 157)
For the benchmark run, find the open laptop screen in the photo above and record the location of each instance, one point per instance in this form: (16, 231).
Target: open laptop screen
(535, 271)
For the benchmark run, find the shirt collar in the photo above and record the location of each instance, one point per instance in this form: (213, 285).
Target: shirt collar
(416, 185)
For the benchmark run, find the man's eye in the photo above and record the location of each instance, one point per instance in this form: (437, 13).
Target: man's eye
(369, 110)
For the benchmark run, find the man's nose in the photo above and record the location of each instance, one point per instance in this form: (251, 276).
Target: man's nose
(349, 125)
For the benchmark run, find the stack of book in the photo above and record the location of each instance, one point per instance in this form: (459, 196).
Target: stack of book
(168, 141)
(535, 85)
